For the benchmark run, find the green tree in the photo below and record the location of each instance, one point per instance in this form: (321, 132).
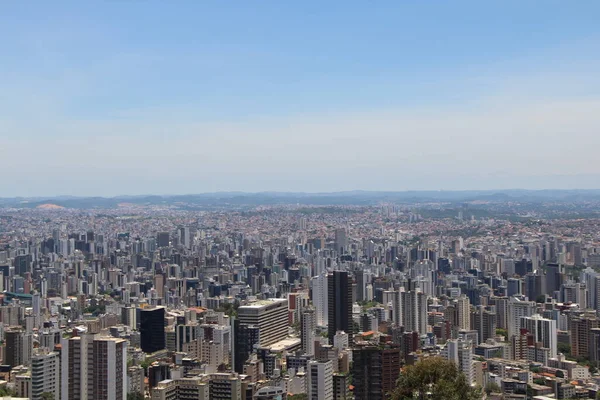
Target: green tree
(434, 378)
(47, 396)
(492, 387)
(300, 396)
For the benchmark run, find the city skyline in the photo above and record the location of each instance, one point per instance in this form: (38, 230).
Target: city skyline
(118, 99)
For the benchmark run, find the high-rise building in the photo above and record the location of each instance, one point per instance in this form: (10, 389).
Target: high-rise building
(45, 375)
(320, 380)
(320, 299)
(93, 368)
(339, 288)
(463, 308)
(543, 331)
(413, 314)
(484, 321)
(581, 327)
(271, 317)
(461, 353)
(518, 308)
(375, 370)
(19, 345)
(245, 339)
(307, 330)
(163, 239)
(340, 240)
(152, 329)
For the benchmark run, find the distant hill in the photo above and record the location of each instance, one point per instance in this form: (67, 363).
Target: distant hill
(225, 199)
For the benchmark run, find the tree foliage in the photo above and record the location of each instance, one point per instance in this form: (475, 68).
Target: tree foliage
(434, 378)
(47, 396)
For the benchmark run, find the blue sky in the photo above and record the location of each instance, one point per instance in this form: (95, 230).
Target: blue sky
(130, 97)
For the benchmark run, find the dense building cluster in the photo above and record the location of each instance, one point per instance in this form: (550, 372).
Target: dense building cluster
(276, 302)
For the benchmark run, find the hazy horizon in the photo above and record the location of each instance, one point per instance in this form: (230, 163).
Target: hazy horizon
(126, 98)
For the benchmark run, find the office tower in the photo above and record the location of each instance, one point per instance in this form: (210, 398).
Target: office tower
(271, 317)
(463, 308)
(185, 237)
(163, 239)
(93, 368)
(320, 299)
(518, 308)
(543, 331)
(339, 288)
(45, 375)
(152, 329)
(361, 285)
(581, 327)
(245, 339)
(413, 315)
(594, 346)
(340, 240)
(554, 278)
(375, 370)
(320, 380)
(461, 353)
(535, 285)
(513, 287)
(307, 330)
(19, 345)
(484, 321)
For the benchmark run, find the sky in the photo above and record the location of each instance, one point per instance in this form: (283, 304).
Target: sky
(152, 97)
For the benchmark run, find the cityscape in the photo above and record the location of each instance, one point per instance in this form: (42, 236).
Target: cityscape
(314, 200)
(224, 300)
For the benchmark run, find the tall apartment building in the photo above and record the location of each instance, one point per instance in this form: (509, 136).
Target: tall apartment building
(413, 311)
(319, 298)
(307, 330)
(463, 307)
(461, 353)
(581, 328)
(270, 316)
(19, 346)
(93, 368)
(320, 380)
(543, 331)
(484, 321)
(518, 308)
(45, 375)
(375, 371)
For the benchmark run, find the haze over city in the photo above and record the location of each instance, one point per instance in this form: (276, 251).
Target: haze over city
(118, 98)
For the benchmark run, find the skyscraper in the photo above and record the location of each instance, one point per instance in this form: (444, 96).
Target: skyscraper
(339, 288)
(307, 329)
(543, 331)
(93, 368)
(463, 308)
(375, 370)
(340, 240)
(19, 345)
(320, 380)
(152, 329)
(518, 308)
(461, 353)
(45, 375)
(320, 299)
